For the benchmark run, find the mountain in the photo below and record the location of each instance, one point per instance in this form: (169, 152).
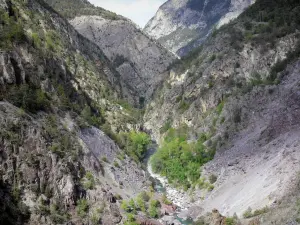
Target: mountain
(224, 119)
(213, 139)
(140, 61)
(57, 91)
(181, 25)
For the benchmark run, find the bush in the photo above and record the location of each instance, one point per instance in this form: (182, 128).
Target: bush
(260, 211)
(128, 206)
(135, 144)
(141, 204)
(212, 58)
(116, 164)
(248, 213)
(230, 221)
(52, 41)
(212, 178)
(165, 127)
(153, 208)
(180, 160)
(91, 118)
(220, 108)
(29, 98)
(82, 207)
(145, 196)
(124, 206)
(183, 106)
(88, 181)
(11, 30)
(165, 200)
(281, 65)
(104, 159)
(36, 40)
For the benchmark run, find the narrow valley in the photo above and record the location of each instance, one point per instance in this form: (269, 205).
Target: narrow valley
(192, 120)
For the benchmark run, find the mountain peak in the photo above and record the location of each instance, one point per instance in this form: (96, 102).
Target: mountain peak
(179, 23)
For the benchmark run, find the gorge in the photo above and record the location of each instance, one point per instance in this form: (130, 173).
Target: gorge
(192, 120)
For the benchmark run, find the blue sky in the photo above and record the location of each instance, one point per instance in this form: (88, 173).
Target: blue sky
(139, 11)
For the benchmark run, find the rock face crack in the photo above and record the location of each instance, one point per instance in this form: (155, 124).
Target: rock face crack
(17, 71)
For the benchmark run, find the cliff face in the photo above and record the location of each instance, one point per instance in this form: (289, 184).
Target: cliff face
(140, 61)
(181, 23)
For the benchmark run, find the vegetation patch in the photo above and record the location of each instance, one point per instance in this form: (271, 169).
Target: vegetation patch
(82, 207)
(249, 214)
(180, 160)
(135, 144)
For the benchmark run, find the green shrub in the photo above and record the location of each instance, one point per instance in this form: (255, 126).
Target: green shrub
(30, 98)
(11, 30)
(135, 144)
(145, 196)
(220, 108)
(210, 187)
(104, 159)
(130, 219)
(180, 160)
(56, 149)
(116, 164)
(36, 40)
(132, 206)
(89, 181)
(52, 41)
(166, 127)
(91, 118)
(230, 221)
(154, 208)
(248, 213)
(128, 206)
(82, 207)
(212, 58)
(212, 178)
(281, 65)
(260, 211)
(165, 200)
(183, 106)
(95, 218)
(141, 204)
(178, 98)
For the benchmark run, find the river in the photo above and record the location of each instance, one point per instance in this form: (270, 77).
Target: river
(178, 198)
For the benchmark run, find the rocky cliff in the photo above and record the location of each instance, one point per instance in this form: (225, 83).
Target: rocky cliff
(181, 25)
(140, 61)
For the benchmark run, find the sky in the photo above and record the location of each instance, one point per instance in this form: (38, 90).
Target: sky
(139, 11)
